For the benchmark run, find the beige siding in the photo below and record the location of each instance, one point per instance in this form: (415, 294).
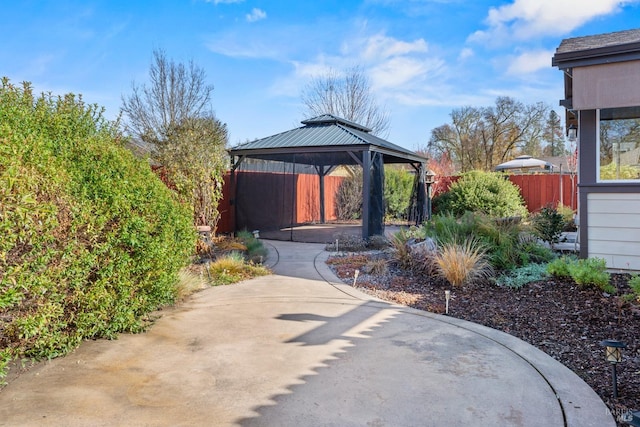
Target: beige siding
(614, 229)
(606, 86)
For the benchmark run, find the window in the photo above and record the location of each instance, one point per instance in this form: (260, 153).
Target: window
(619, 141)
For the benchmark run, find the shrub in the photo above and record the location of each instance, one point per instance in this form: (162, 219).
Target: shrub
(398, 186)
(462, 263)
(591, 271)
(92, 240)
(585, 272)
(532, 252)
(501, 239)
(349, 197)
(548, 224)
(560, 266)
(486, 192)
(568, 217)
(522, 276)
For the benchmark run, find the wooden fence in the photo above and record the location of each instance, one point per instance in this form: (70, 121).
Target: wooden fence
(537, 191)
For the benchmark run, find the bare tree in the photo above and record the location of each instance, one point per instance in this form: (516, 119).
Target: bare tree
(481, 138)
(172, 119)
(176, 92)
(348, 95)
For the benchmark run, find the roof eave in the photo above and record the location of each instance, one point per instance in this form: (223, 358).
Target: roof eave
(603, 55)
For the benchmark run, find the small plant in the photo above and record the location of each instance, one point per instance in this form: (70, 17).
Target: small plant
(560, 266)
(401, 252)
(377, 242)
(376, 267)
(462, 263)
(188, 283)
(256, 252)
(532, 252)
(522, 276)
(591, 271)
(568, 217)
(585, 272)
(233, 268)
(347, 243)
(634, 284)
(548, 225)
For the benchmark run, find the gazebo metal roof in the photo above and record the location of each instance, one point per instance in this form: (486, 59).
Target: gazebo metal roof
(325, 140)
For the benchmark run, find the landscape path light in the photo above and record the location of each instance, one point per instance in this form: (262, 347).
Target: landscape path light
(613, 355)
(447, 297)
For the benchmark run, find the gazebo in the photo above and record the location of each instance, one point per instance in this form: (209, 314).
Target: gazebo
(318, 147)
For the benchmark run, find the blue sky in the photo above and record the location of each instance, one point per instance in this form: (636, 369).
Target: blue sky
(423, 57)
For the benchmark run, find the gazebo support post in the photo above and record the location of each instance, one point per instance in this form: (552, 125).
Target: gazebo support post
(366, 190)
(321, 174)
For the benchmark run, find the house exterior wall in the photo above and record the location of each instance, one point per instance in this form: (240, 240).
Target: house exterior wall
(606, 86)
(614, 229)
(607, 216)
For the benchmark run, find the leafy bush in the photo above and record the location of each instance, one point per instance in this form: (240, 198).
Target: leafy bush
(462, 263)
(521, 276)
(585, 272)
(568, 217)
(548, 224)
(349, 197)
(591, 271)
(560, 266)
(92, 240)
(532, 252)
(485, 192)
(634, 284)
(398, 186)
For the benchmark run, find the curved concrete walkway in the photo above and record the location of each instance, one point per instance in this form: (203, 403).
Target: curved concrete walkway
(298, 348)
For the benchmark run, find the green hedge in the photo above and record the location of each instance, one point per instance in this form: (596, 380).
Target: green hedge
(91, 239)
(489, 193)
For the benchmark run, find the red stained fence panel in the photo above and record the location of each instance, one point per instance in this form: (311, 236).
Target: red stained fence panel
(537, 191)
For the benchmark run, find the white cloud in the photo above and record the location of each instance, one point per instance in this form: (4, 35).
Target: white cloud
(381, 46)
(530, 62)
(256, 15)
(465, 53)
(400, 71)
(525, 19)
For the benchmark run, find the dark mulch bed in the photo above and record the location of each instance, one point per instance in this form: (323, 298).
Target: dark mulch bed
(558, 317)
